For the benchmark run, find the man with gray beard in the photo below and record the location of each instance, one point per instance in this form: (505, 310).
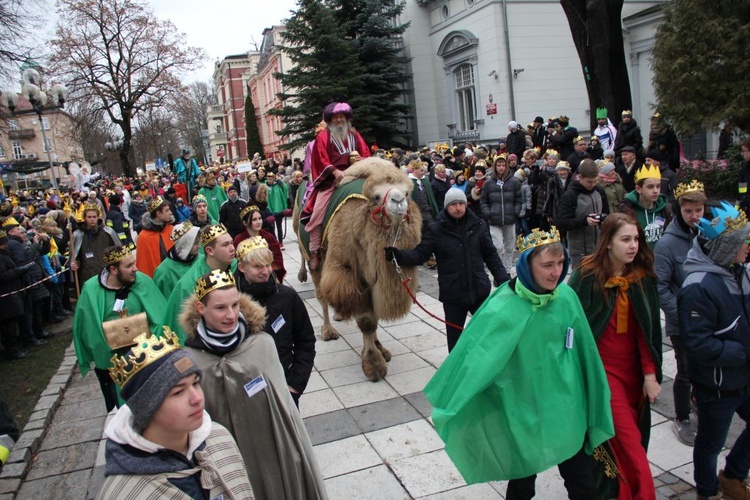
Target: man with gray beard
(335, 149)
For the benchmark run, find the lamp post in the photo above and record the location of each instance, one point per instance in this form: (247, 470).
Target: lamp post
(113, 146)
(38, 99)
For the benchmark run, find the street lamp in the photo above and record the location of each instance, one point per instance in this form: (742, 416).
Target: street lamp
(113, 146)
(38, 99)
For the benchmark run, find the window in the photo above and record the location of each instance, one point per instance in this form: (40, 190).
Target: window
(465, 93)
(444, 12)
(12, 124)
(47, 145)
(2, 151)
(17, 149)
(45, 123)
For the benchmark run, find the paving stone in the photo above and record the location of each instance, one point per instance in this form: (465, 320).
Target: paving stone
(405, 440)
(319, 402)
(363, 393)
(53, 390)
(68, 433)
(83, 393)
(331, 427)
(63, 460)
(360, 484)
(60, 379)
(43, 415)
(429, 474)
(346, 455)
(7, 496)
(12, 471)
(30, 439)
(46, 402)
(97, 481)
(668, 478)
(419, 401)
(35, 425)
(61, 487)
(473, 492)
(10, 485)
(80, 411)
(376, 416)
(19, 455)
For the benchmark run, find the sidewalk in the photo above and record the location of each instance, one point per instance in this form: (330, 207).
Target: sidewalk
(373, 440)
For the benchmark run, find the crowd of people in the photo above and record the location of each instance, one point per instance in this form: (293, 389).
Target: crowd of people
(546, 373)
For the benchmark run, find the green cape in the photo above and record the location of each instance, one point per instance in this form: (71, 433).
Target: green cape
(277, 197)
(168, 273)
(95, 307)
(511, 400)
(214, 198)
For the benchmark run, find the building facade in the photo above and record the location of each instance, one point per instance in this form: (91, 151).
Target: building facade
(226, 120)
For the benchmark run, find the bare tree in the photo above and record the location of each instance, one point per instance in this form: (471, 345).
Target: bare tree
(190, 114)
(118, 55)
(19, 20)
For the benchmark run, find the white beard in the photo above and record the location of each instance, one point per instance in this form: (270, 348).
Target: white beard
(339, 132)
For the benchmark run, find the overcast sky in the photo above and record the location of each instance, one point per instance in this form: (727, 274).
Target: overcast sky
(222, 27)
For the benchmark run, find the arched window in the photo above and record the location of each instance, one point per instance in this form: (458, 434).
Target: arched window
(466, 96)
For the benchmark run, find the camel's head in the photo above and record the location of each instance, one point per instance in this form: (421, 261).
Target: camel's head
(387, 189)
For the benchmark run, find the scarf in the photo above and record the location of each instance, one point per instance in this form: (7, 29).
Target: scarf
(537, 299)
(623, 302)
(221, 343)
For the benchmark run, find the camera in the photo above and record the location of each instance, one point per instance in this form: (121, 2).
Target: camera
(597, 217)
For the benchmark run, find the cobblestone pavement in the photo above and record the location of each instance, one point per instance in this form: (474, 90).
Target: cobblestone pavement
(373, 440)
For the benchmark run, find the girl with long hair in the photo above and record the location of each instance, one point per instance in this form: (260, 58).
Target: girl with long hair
(617, 289)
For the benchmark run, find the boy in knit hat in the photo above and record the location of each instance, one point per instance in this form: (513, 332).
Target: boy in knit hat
(162, 442)
(712, 308)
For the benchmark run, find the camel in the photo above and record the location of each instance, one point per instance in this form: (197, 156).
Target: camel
(354, 277)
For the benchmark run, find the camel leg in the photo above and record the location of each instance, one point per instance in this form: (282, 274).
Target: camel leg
(302, 273)
(328, 331)
(385, 352)
(337, 316)
(373, 362)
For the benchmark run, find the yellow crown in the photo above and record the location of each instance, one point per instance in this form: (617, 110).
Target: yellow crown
(246, 211)
(579, 139)
(734, 223)
(250, 244)
(147, 349)
(212, 233)
(685, 187)
(537, 238)
(212, 281)
(180, 231)
(90, 206)
(3, 234)
(154, 204)
(116, 255)
(647, 172)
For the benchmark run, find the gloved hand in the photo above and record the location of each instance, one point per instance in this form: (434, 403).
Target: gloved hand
(392, 253)
(25, 268)
(270, 220)
(287, 213)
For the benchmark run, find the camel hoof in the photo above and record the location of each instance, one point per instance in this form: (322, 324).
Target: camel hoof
(302, 275)
(337, 317)
(328, 332)
(373, 365)
(385, 352)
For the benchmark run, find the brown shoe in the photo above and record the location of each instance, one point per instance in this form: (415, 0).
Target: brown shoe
(733, 489)
(314, 260)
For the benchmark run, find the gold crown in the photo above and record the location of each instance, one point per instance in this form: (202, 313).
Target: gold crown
(212, 233)
(155, 203)
(552, 152)
(246, 211)
(90, 206)
(647, 172)
(147, 349)
(180, 231)
(685, 187)
(199, 198)
(250, 244)
(656, 115)
(116, 255)
(734, 223)
(579, 139)
(537, 238)
(627, 112)
(212, 281)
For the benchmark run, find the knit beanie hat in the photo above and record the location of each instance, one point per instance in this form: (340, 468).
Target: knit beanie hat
(146, 390)
(184, 243)
(454, 195)
(723, 249)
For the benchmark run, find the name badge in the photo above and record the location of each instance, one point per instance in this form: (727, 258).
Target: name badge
(255, 386)
(89, 255)
(278, 324)
(119, 304)
(218, 497)
(569, 338)
(659, 221)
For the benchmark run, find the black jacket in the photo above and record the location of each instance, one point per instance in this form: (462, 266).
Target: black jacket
(628, 179)
(135, 212)
(461, 249)
(288, 322)
(229, 215)
(117, 221)
(516, 143)
(30, 253)
(576, 204)
(629, 134)
(10, 281)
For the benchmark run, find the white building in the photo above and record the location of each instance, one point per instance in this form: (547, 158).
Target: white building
(477, 64)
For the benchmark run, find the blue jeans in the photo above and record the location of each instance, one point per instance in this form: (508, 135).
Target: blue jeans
(714, 416)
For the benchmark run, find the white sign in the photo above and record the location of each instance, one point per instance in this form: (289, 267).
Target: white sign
(244, 166)
(150, 166)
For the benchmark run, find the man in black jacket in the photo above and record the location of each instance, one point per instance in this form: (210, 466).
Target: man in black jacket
(11, 306)
(462, 245)
(516, 140)
(229, 212)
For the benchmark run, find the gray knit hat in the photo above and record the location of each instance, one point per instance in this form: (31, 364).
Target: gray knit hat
(454, 195)
(724, 248)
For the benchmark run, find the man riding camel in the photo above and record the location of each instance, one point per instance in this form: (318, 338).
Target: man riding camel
(332, 153)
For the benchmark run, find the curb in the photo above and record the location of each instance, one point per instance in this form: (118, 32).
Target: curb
(19, 461)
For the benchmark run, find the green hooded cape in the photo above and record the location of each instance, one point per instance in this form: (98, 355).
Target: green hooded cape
(215, 196)
(511, 400)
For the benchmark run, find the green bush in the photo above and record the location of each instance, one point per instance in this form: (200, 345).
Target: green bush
(718, 176)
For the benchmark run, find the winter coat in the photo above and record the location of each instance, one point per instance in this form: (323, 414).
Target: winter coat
(712, 309)
(120, 225)
(135, 213)
(501, 205)
(670, 254)
(628, 178)
(555, 191)
(30, 253)
(575, 160)
(288, 322)
(516, 143)
(539, 182)
(229, 215)
(665, 140)
(461, 249)
(575, 206)
(439, 188)
(183, 213)
(743, 186)
(669, 181)
(563, 142)
(615, 191)
(11, 279)
(526, 205)
(629, 134)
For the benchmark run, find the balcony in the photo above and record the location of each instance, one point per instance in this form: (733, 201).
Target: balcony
(218, 137)
(21, 133)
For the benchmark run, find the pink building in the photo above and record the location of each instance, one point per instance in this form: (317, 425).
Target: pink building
(226, 128)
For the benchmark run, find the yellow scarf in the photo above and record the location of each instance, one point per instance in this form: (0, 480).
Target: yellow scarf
(623, 302)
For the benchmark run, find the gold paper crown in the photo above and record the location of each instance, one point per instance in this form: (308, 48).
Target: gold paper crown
(647, 172)
(90, 206)
(504, 156)
(147, 349)
(180, 231)
(116, 255)
(537, 238)
(552, 152)
(627, 112)
(250, 244)
(212, 233)
(734, 223)
(212, 281)
(684, 187)
(579, 139)
(155, 203)
(246, 211)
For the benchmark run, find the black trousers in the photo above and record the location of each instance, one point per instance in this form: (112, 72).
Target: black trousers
(108, 388)
(681, 389)
(577, 473)
(456, 313)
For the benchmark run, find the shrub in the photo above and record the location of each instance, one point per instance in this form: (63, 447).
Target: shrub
(718, 176)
